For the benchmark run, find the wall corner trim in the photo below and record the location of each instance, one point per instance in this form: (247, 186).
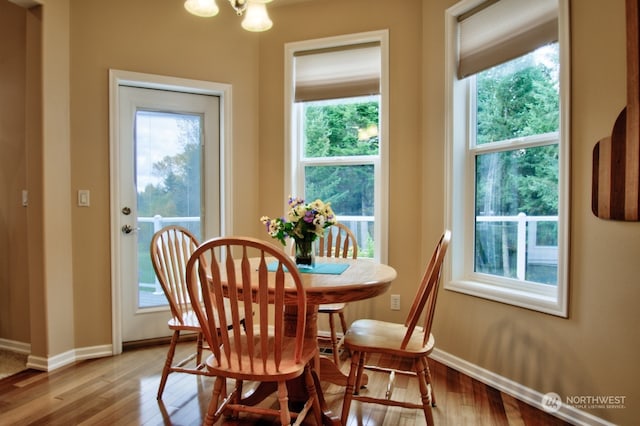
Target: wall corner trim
(57, 361)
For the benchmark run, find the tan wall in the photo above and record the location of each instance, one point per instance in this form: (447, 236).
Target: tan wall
(158, 38)
(311, 20)
(592, 352)
(57, 287)
(14, 288)
(35, 212)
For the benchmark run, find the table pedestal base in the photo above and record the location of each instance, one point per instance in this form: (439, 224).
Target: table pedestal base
(326, 370)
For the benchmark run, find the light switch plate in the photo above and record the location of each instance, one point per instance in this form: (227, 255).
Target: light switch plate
(84, 198)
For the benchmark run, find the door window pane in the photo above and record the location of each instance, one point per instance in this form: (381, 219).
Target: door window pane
(168, 158)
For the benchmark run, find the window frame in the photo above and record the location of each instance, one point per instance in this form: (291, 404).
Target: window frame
(295, 161)
(460, 154)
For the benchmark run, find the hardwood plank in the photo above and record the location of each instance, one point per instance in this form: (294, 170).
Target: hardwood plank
(496, 408)
(121, 390)
(481, 402)
(512, 411)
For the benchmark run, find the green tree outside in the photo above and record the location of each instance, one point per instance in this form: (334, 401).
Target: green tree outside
(516, 100)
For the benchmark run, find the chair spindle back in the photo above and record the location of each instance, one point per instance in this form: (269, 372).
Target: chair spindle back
(236, 275)
(170, 250)
(427, 292)
(338, 241)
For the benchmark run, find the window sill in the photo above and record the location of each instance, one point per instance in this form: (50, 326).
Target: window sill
(543, 301)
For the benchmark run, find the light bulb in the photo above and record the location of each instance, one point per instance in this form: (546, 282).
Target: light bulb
(204, 8)
(256, 17)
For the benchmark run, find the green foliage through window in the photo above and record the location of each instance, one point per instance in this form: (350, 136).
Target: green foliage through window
(340, 144)
(341, 128)
(516, 102)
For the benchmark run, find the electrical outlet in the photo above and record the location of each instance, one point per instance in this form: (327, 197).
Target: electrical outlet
(395, 302)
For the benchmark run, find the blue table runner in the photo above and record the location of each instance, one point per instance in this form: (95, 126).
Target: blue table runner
(320, 268)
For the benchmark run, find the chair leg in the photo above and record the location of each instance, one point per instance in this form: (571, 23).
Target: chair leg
(283, 399)
(313, 393)
(430, 382)
(334, 339)
(199, 345)
(168, 363)
(211, 417)
(350, 389)
(343, 324)
(360, 372)
(424, 390)
(236, 397)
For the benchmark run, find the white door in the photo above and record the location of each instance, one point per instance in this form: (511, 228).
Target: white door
(169, 173)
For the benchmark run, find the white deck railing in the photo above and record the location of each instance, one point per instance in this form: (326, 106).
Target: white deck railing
(158, 223)
(536, 254)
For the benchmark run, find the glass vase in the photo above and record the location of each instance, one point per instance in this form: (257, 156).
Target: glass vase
(305, 257)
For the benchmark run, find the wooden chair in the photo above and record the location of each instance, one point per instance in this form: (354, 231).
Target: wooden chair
(261, 351)
(338, 241)
(170, 250)
(407, 341)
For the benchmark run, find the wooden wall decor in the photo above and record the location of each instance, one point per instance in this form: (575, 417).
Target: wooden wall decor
(616, 159)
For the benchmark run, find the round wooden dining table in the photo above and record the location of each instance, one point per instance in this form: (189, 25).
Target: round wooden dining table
(334, 280)
(338, 280)
(362, 279)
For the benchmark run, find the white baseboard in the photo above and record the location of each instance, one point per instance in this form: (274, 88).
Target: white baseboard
(518, 391)
(14, 346)
(60, 360)
(50, 363)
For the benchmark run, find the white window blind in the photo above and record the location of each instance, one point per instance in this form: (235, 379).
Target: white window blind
(339, 72)
(504, 30)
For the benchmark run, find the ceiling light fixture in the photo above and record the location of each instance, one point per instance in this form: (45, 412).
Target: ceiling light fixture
(256, 18)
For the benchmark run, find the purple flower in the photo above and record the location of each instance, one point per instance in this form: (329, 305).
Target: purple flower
(308, 216)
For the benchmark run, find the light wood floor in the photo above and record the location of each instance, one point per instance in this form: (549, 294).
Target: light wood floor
(121, 390)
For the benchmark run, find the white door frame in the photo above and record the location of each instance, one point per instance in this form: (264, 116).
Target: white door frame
(150, 81)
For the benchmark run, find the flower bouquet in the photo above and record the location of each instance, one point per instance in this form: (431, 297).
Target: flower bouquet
(304, 223)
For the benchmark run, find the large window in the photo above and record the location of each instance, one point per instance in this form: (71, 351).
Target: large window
(508, 151)
(336, 144)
